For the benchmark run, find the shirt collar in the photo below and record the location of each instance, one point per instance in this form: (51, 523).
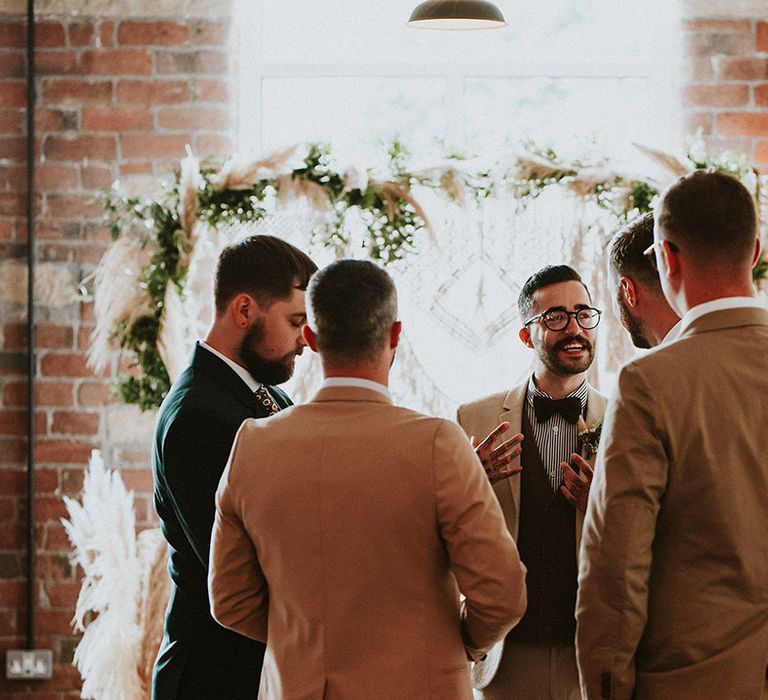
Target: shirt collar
(329, 382)
(580, 393)
(241, 372)
(673, 333)
(718, 305)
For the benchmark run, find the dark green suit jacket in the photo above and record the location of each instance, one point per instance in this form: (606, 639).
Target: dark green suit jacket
(196, 427)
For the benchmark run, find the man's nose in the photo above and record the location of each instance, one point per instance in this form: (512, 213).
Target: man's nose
(572, 327)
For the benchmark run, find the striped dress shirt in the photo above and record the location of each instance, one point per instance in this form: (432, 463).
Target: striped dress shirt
(555, 438)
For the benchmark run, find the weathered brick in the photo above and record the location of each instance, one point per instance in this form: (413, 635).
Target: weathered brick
(75, 423)
(71, 481)
(761, 95)
(192, 62)
(72, 148)
(137, 480)
(717, 25)
(76, 92)
(56, 63)
(13, 148)
(727, 95)
(719, 43)
(215, 91)
(743, 68)
(13, 93)
(762, 36)
(154, 92)
(761, 154)
(47, 120)
(73, 206)
(51, 177)
(117, 62)
(211, 33)
(50, 34)
(80, 33)
(96, 177)
(101, 118)
(213, 145)
(106, 33)
(153, 146)
(61, 594)
(58, 451)
(742, 124)
(193, 119)
(91, 394)
(53, 621)
(12, 121)
(64, 364)
(13, 34)
(46, 480)
(152, 33)
(12, 64)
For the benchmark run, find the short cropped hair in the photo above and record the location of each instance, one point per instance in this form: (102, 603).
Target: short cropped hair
(265, 267)
(551, 274)
(710, 215)
(352, 306)
(626, 252)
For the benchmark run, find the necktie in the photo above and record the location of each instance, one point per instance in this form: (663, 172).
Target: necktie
(266, 400)
(569, 408)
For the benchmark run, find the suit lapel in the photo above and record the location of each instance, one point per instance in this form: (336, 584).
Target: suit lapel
(512, 412)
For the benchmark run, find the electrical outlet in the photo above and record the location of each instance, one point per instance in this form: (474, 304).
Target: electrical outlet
(23, 664)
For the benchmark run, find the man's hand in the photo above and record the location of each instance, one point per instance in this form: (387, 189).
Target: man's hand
(575, 486)
(496, 460)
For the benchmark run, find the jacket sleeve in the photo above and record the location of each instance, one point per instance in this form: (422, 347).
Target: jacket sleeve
(237, 588)
(195, 450)
(616, 545)
(483, 555)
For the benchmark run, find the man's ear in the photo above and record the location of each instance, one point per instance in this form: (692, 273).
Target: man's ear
(243, 309)
(394, 334)
(525, 336)
(756, 256)
(671, 264)
(628, 291)
(310, 337)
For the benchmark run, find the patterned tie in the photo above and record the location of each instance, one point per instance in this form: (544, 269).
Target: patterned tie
(266, 400)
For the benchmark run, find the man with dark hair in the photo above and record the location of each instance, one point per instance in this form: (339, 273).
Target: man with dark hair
(637, 293)
(346, 527)
(544, 502)
(252, 344)
(673, 592)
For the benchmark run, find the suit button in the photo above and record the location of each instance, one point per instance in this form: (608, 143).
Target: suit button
(546, 628)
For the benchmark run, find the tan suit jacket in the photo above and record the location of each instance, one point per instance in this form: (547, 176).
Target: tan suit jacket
(673, 586)
(479, 418)
(345, 529)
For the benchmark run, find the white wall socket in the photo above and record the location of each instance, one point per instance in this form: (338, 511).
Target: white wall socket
(24, 664)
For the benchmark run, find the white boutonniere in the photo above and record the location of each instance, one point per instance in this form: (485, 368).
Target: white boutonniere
(589, 437)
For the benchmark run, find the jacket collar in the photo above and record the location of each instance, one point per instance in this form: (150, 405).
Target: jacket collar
(349, 393)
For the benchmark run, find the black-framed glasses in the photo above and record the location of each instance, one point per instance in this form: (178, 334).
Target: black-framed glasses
(650, 252)
(557, 319)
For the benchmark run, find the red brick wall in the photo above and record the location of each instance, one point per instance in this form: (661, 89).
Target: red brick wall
(116, 99)
(727, 90)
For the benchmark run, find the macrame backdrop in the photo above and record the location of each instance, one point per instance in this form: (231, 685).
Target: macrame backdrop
(457, 294)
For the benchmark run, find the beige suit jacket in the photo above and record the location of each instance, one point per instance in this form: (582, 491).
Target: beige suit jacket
(673, 586)
(479, 418)
(345, 529)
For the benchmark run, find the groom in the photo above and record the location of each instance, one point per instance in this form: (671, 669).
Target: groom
(544, 502)
(251, 346)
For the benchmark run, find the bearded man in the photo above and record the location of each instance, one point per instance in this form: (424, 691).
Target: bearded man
(252, 345)
(544, 501)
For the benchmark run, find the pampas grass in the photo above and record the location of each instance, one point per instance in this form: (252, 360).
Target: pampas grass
(118, 296)
(122, 593)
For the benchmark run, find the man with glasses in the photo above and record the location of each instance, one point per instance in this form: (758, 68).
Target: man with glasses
(544, 500)
(673, 586)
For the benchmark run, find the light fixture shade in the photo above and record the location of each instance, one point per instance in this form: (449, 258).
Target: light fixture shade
(456, 14)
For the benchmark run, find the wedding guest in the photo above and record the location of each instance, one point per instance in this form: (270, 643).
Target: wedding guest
(252, 345)
(544, 503)
(346, 527)
(673, 592)
(637, 293)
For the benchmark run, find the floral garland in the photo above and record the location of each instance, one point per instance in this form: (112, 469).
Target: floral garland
(239, 192)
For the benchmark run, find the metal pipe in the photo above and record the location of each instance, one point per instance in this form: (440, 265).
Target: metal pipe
(31, 368)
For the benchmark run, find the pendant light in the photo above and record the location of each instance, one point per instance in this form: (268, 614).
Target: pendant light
(456, 14)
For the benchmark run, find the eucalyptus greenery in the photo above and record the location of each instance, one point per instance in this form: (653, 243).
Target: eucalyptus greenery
(392, 219)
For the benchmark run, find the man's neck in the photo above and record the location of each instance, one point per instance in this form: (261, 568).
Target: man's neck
(555, 385)
(373, 373)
